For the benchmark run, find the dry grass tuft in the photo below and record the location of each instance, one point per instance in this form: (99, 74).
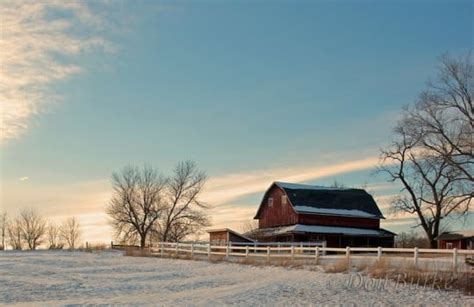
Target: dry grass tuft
(217, 258)
(380, 268)
(425, 275)
(362, 266)
(339, 266)
(249, 261)
(184, 257)
(287, 263)
(465, 283)
(443, 280)
(136, 252)
(90, 248)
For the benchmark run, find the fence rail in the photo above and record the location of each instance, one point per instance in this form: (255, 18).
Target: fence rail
(315, 253)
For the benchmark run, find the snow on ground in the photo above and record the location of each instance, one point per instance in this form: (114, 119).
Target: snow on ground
(62, 277)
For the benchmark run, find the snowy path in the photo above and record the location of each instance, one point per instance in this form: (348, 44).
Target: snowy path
(62, 277)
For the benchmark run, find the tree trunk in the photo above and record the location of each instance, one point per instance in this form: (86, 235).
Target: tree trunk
(143, 241)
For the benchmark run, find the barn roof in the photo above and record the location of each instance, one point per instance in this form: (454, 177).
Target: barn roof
(456, 235)
(300, 228)
(310, 199)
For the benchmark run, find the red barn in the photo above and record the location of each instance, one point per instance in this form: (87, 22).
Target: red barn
(292, 212)
(456, 239)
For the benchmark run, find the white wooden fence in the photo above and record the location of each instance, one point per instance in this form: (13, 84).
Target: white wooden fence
(314, 253)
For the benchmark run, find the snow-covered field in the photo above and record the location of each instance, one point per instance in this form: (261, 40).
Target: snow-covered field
(62, 277)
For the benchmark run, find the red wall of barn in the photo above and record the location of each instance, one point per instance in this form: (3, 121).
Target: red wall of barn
(311, 219)
(280, 215)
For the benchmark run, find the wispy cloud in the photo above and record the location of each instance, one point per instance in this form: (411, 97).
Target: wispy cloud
(58, 199)
(221, 190)
(24, 178)
(400, 221)
(38, 43)
(87, 200)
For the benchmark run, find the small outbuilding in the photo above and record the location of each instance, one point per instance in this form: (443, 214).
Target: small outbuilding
(456, 239)
(225, 235)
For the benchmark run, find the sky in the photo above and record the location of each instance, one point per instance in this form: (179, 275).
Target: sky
(252, 91)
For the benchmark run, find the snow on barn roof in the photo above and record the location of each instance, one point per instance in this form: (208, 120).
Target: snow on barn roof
(299, 186)
(345, 212)
(456, 235)
(300, 228)
(311, 199)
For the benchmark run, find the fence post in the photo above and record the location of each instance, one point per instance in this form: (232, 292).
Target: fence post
(379, 253)
(209, 251)
(324, 248)
(227, 251)
(292, 252)
(455, 259)
(415, 257)
(268, 253)
(246, 251)
(317, 254)
(162, 249)
(348, 253)
(177, 246)
(192, 250)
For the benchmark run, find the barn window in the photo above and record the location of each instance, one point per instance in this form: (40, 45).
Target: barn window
(283, 199)
(270, 202)
(449, 245)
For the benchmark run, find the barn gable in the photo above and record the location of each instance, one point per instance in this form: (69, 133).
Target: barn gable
(307, 199)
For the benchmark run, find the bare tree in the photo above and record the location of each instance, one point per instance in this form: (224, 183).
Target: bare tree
(70, 232)
(249, 227)
(54, 236)
(183, 212)
(14, 233)
(443, 116)
(136, 204)
(338, 185)
(33, 228)
(183, 228)
(411, 239)
(432, 153)
(3, 230)
(430, 186)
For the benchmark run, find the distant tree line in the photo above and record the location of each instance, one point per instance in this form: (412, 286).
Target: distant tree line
(147, 206)
(431, 155)
(411, 239)
(30, 230)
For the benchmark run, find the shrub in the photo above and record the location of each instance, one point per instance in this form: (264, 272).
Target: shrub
(339, 266)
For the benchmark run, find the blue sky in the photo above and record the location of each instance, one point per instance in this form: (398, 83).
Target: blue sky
(270, 89)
